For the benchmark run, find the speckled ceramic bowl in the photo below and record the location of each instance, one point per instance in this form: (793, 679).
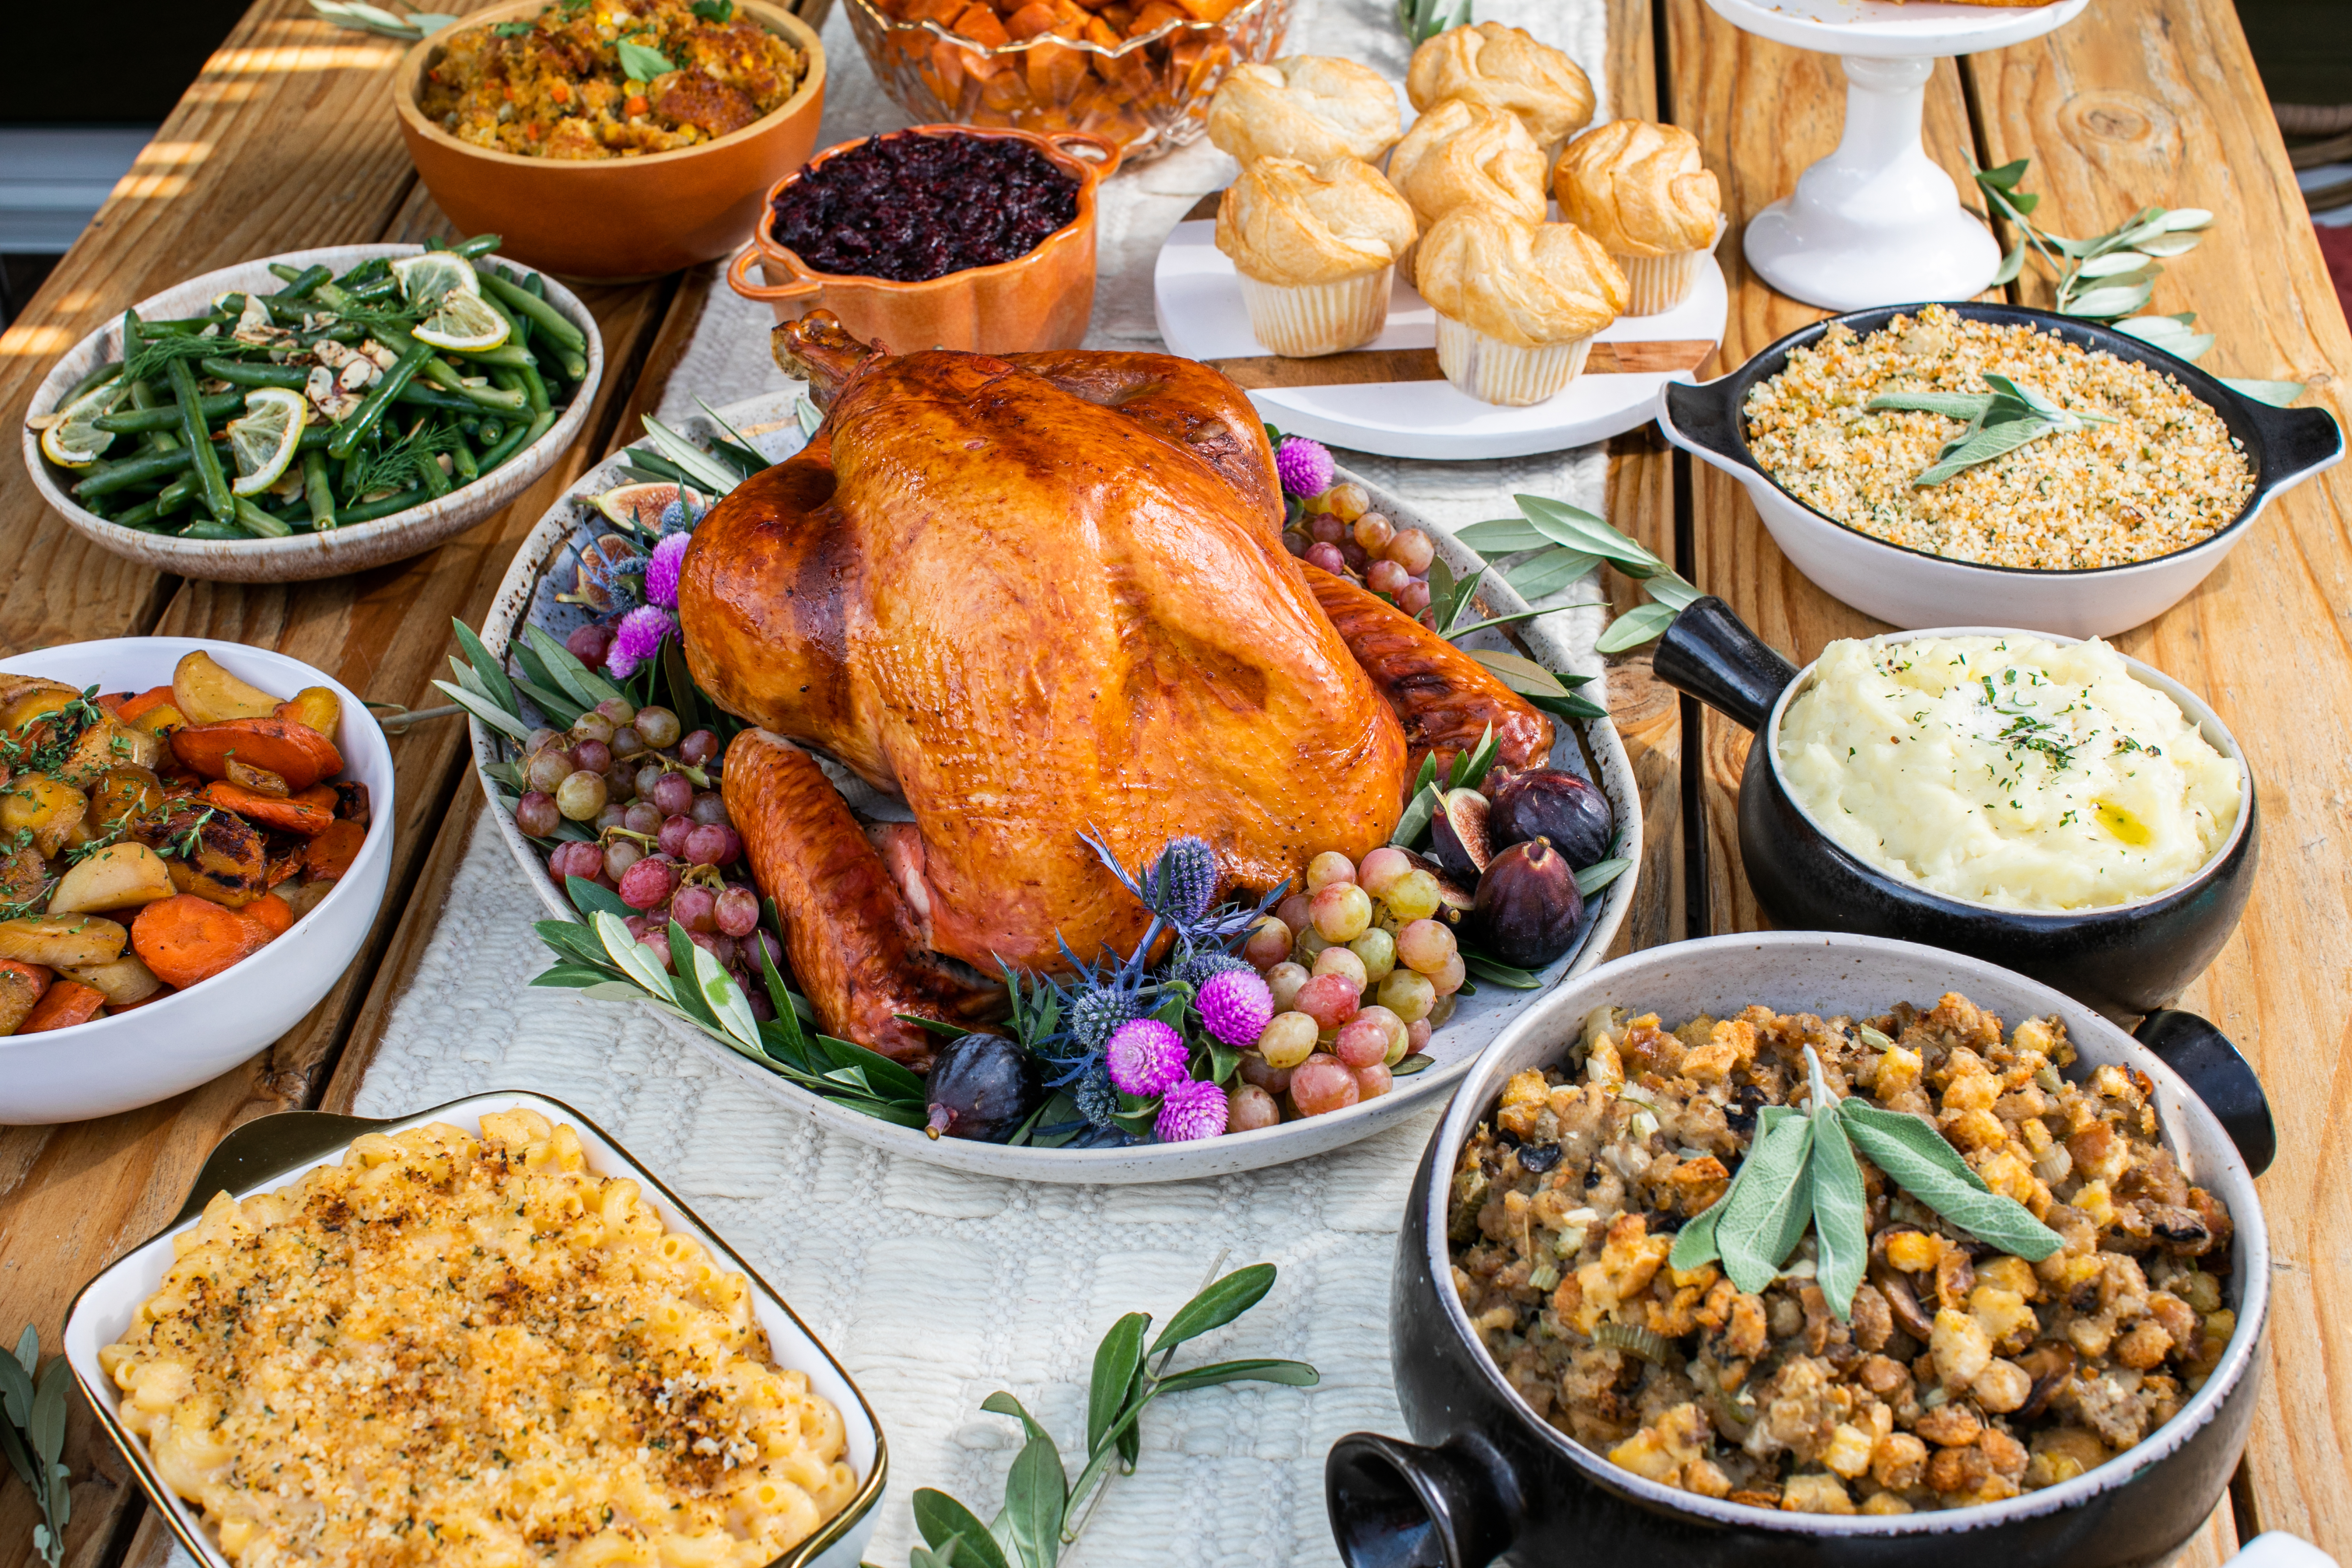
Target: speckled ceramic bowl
(303, 556)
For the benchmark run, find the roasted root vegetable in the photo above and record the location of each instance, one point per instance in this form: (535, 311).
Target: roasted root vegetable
(330, 854)
(21, 986)
(301, 816)
(119, 876)
(255, 781)
(61, 941)
(205, 693)
(316, 707)
(185, 940)
(211, 852)
(294, 753)
(24, 700)
(65, 1004)
(124, 982)
(124, 792)
(47, 808)
(133, 709)
(272, 913)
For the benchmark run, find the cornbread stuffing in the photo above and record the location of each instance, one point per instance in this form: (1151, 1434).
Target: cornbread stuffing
(2166, 475)
(452, 1352)
(561, 86)
(1965, 1375)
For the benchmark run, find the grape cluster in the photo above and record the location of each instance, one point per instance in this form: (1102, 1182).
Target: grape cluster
(1361, 972)
(1338, 532)
(665, 847)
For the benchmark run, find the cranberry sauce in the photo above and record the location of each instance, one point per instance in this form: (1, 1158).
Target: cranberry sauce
(911, 208)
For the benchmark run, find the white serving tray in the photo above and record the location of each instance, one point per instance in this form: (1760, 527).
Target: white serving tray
(1197, 296)
(272, 1151)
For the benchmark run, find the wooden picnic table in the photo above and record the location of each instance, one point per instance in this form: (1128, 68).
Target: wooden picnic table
(288, 141)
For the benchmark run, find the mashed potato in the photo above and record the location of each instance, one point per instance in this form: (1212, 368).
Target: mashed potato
(2007, 771)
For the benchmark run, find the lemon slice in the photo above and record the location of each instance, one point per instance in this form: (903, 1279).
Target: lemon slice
(463, 322)
(73, 441)
(263, 442)
(425, 279)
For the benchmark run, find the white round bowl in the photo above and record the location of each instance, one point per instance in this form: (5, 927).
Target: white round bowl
(301, 557)
(1912, 589)
(153, 1052)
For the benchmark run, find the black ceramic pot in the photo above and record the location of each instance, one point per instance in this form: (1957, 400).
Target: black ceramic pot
(2125, 961)
(1485, 1477)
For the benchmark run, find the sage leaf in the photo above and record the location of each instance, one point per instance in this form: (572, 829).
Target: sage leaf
(1291, 1373)
(1496, 537)
(1115, 1361)
(15, 1392)
(486, 668)
(1983, 446)
(13, 1445)
(941, 1518)
(2112, 263)
(2102, 303)
(2011, 265)
(590, 899)
(923, 1556)
(28, 1356)
(725, 998)
(1471, 767)
(1915, 1157)
(2277, 393)
(1580, 529)
(2184, 220)
(48, 1426)
(1694, 1243)
(1034, 1491)
(1772, 1186)
(578, 977)
(487, 712)
(1966, 406)
(1001, 1402)
(641, 63)
(1496, 972)
(1841, 1205)
(1216, 1307)
(1549, 573)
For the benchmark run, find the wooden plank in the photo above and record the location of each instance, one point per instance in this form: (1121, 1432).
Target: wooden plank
(2157, 105)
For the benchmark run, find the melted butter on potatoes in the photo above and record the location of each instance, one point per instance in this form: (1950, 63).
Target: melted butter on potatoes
(2007, 771)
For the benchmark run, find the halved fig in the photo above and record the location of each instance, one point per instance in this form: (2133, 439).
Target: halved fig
(1457, 835)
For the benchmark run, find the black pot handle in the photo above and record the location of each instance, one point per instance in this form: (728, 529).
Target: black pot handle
(1399, 1505)
(2221, 1078)
(1705, 417)
(1709, 653)
(2297, 442)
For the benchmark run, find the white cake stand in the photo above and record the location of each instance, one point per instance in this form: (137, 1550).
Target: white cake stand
(1876, 223)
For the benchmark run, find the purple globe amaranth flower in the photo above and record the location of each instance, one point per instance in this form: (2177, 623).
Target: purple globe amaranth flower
(1235, 1007)
(638, 639)
(1145, 1057)
(1303, 465)
(661, 572)
(1193, 1109)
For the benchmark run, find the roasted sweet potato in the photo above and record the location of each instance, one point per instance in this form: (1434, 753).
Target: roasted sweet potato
(49, 809)
(160, 719)
(330, 854)
(294, 752)
(274, 914)
(292, 816)
(61, 1006)
(25, 700)
(187, 940)
(211, 852)
(303, 896)
(323, 796)
(21, 986)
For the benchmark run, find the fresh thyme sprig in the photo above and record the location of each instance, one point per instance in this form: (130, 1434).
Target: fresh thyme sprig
(1800, 1169)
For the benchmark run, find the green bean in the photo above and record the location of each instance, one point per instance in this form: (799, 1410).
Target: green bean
(239, 372)
(368, 511)
(257, 522)
(428, 469)
(298, 284)
(335, 297)
(380, 397)
(481, 245)
(374, 266)
(166, 415)
(535, 390)
(506, 356)
(110, 476)
(90, 382)
(461, 459)
(545, 316)
(146, 515)
(413, 396)
(376, 288)
(184, 326)
(316, 492)
(536, 284)
(442, 374)
(213, 528)
(178, 493)
(521, 436)
(211, 483)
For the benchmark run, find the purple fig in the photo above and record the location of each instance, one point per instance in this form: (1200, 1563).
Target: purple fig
(1457, 835)
(1528, 909)
(1547, 803)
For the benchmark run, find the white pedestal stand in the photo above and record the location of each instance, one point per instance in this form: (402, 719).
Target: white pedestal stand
(1876, 223)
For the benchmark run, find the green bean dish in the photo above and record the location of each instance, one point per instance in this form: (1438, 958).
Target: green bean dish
(336, 400)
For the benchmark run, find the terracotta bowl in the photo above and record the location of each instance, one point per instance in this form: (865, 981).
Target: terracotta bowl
(1041, 300)
(614, 217)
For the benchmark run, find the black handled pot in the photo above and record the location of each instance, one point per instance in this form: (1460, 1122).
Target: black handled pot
(2127, 960)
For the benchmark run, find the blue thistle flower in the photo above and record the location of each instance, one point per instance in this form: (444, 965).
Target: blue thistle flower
(1181, 883)
(1097, 1101)
(1197, 967)
(1092, 1013)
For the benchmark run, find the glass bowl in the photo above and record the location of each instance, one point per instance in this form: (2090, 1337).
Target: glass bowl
(1147, 93)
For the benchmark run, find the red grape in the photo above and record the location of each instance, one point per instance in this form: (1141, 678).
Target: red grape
(1327, 529)
(1294, 912)
(693, 907)
(1371, 1082)
(546, 768)
(1424, 945)
(1386, 577)
(1341, 912)
(1327, 869)
(1327, 558)
(674, 793)
(763, 940)
(1449, 976)
(657, 938)
(649, 775)
(647, 883)
(615, 710)
(756, 997)
(1268, 944)
(541, 739)
(1341, 961)
(1331, 1000)
(1408, 994)
(1413, 597)
(708, 808)
(1322, 1084)
(574, 859)
(589, 643)
(627, 742)
(580, 796)
(1348, 501)
(1373, 532)
(620, 855)
(1417, 1035)
(1283, 980)
(658, 726)
(535, 814)
(594, 756)
(1413, 551)
(1381, 869)
(1354, 554)
(713, 844)
(672, 837)
(613, 816)
(592, 726)
(1364, 1043)
(1249, 1108)
(1257, 1070)
(645, 816)
(737, 911)
(697, 748)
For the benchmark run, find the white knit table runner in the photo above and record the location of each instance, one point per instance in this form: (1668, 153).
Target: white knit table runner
(935, 1288)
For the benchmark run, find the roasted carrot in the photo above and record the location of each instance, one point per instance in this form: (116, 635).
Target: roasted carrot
(153, 697)
(272, 913)
(330, 854)
(351, 801)
(185, 940)
(110, 704)
(21, 986)
(326, 797)
(293, 815)
(294, 753)
(62, 1006)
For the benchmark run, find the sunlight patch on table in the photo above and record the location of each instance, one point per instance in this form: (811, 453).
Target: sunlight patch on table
(19, 342)
(300, 57)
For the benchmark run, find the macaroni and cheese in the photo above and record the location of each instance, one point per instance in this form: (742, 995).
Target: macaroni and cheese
(463, 1350)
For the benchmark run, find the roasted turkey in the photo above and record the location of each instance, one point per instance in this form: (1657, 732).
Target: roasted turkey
(1035, 596)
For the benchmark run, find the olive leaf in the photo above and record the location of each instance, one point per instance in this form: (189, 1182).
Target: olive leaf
(1116, 1360)
(941, 1518)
